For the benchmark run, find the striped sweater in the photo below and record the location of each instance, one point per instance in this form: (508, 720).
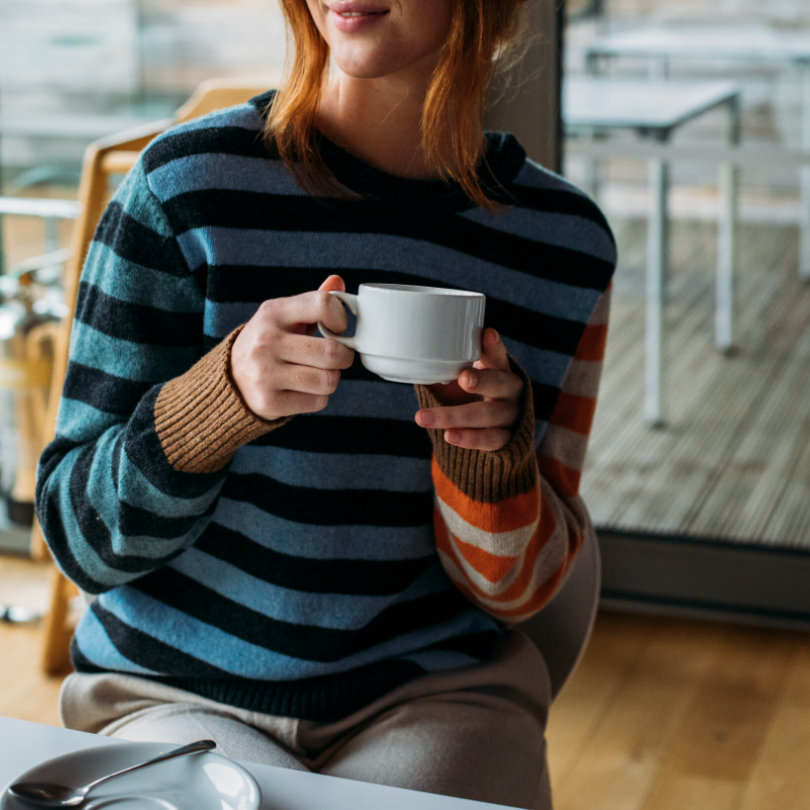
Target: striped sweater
(305, 567)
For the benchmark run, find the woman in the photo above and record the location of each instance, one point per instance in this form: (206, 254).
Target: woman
(314, 567)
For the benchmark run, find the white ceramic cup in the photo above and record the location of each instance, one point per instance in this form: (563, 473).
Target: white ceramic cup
(412, 334)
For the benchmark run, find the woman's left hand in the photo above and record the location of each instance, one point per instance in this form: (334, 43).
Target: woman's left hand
(480, 409)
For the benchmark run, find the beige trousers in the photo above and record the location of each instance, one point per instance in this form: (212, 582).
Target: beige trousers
(476, 732)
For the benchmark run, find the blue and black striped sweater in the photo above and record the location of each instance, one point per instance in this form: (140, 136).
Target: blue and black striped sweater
(298, 576)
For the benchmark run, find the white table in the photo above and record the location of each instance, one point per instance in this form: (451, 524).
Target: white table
(655, 110)
(659, 44)
(23, 745)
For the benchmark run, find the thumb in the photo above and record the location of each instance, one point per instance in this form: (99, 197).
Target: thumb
(333, 283)
(493, 352)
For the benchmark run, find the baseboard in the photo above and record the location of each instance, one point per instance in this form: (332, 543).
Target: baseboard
(726, 581)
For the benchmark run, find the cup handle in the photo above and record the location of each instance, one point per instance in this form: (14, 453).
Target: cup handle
(351, 302)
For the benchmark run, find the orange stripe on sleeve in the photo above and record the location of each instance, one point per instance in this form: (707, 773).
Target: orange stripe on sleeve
(562, 478)
(548, 588)
(574, 412)
(541, 595)
(592, 343)
(491, 566)
(543, 531)
(504, 516)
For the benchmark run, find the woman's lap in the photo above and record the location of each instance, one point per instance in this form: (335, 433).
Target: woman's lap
(475, 733)
(472, 746)
(182, 723)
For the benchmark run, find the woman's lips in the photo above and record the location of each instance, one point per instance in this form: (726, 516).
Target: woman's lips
(354, 20)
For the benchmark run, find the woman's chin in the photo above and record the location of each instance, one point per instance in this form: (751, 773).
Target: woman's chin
(364, 66)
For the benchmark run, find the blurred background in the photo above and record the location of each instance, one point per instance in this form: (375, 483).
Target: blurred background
(700, 458)
(699, 470)
(689, 122)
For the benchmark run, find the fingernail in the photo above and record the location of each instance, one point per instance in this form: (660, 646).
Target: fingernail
(497, 336)
(426, 418)
(452, 436)
(472, 379)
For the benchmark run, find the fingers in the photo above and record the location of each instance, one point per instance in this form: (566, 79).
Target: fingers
(493, 351)
(489, 440)
(283, 389)
(289, 403)
(487, 423)
(308, 308)
(492, 375)
(485, 414)
(308, 380)
(487, 382)
(312, 351)
(334, 282)
(276, 364)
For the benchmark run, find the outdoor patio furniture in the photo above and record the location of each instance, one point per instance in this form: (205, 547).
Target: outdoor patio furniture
(752, 45)
(656, 110)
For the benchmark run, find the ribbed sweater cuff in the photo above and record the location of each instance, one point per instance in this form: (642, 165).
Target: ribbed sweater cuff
(201, 419)
(489, 476)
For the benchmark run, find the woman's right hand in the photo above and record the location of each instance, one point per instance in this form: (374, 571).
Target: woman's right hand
(278, 366)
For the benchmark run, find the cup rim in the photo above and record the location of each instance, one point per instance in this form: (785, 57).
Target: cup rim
(422, 289)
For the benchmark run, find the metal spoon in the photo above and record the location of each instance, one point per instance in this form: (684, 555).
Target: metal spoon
(47, 794)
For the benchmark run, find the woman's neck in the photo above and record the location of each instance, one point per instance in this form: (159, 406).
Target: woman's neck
(379, 121)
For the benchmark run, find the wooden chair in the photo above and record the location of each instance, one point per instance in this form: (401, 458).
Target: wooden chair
(113, 155)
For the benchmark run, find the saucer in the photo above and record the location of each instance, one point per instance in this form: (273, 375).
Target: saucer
(193, 782)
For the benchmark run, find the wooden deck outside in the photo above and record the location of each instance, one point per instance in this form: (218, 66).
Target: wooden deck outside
(734, 461)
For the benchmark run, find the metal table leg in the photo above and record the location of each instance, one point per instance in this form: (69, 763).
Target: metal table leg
(592, 177)
(657, 266)
(726, 226)
(804, 211)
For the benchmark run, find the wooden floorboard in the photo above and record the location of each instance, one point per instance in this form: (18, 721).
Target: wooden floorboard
(731, 464)
(25, 692)
(620, 761)
(673, 713)
(779, 774)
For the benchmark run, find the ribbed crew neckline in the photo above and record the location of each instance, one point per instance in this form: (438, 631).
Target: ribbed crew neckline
(504, 157)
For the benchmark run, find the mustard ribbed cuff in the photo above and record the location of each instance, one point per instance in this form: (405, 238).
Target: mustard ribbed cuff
(201, 419)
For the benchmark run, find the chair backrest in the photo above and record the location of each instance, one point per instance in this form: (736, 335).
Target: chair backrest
(216, 94)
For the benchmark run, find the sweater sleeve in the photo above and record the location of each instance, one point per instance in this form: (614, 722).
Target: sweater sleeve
(147, 423)
(508, 524)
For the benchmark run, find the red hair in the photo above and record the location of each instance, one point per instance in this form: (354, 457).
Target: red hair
(482, 33)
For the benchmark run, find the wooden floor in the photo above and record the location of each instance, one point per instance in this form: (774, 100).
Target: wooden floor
(663, 714)
(670, 714)
(734, 461)
(25, 693)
